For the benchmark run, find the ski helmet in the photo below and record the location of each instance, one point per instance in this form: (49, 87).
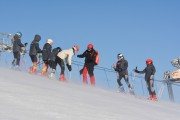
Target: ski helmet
(59, 49)
(120, 55)
(90, 46)
(149, 61)
(76, 47)
(50, 41)
(19, 34)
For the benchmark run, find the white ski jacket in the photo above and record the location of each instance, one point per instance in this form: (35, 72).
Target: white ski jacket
(66, 55)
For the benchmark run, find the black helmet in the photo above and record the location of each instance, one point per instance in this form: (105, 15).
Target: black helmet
(59, 49)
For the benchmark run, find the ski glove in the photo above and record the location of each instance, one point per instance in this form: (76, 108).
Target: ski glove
(136, 71)
(81, 71)
(69, 67)
(79, 56)
(151, 77)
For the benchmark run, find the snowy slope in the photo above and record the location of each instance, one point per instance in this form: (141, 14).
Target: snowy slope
(29, 97)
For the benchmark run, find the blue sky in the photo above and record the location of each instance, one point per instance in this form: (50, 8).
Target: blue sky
(139, 29)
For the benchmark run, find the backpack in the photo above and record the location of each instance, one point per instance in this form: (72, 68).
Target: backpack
(97, 58)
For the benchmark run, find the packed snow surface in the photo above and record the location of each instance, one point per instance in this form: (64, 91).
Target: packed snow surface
(31, 97)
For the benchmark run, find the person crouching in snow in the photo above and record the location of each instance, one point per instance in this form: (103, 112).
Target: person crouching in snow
(121, 68)
(149, 78)
(54, 60)
(66, 55)
(45, 55)
(34, 49)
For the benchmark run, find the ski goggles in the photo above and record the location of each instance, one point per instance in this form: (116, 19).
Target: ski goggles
(118, 57)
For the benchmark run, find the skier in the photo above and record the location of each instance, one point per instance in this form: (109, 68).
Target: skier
(67, 56)
(90, 57)
(149, 78)
(17, 45)
(121, 68)
(54, 60)
(45, 55)
(34, 49)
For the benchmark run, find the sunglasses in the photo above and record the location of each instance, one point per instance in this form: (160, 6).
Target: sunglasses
(89, 49)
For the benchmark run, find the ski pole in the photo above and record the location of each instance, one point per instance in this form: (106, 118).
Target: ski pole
(69, 75)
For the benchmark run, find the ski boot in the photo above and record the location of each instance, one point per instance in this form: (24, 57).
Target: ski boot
(154, 98)
(30, 70)
(44, 71)
(52, 74)
(13, 65)
(131, 91)
(44, 74)
(150, 97)
(62, 77)
(121, 89)
(17, 68)
(34, 68)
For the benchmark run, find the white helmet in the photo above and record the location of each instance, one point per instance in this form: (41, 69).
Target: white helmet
(120, 55)
(50, 41)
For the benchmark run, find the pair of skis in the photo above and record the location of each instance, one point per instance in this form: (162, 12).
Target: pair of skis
(130, 90)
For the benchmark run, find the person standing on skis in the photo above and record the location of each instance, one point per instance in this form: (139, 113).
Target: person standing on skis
(45, 55)
(34, 49)
(17, 45)
(90, 57)
(121, 67)
(54, 60)
(149, 78)
(67, 56)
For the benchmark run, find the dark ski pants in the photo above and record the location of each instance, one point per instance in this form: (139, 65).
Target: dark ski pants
(52, 64)
(61, 64)
(17, 57)
(33, 58)
(125, 78)
(150, 87)
(58, 61)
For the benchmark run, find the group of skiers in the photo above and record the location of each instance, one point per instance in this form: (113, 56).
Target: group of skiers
(52, 57)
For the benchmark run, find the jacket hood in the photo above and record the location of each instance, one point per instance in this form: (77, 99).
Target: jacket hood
(37, 38)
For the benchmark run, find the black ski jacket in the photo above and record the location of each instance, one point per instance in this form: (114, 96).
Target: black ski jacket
(17, 44)
(46, 51)
(149, 70)
(90, 56)
(121, 67)
(53, 54)
(34, 47)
